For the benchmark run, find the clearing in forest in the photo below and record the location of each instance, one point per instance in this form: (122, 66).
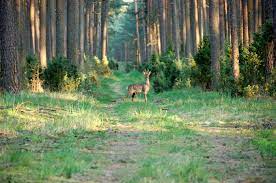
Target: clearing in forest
(178, 136)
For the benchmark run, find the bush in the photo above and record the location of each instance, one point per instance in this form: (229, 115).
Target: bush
(113, 64)
(202, 73)
(33, 73)
(168, 72)
(60, 75)
(251, 91)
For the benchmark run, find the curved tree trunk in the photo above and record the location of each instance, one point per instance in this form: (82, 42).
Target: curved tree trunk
(8, 47)
(214, 38)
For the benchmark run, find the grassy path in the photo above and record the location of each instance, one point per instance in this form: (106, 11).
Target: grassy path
(178, 136)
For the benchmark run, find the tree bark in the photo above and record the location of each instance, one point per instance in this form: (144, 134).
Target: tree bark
(73, 50)
(245, 23)
(138, 48)
(8, 47)
(32, 17)
(214, 40)
(60, 28)
(234, 42)
(42, 37)
(162, 24)
(51, 29)
(175, 28)
(81, 33)
(103, 41)
(194, 25)
(188, 30)
(221, 25)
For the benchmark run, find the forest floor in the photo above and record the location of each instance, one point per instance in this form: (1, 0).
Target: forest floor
(178, 136)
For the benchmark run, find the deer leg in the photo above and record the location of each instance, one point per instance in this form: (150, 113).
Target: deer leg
(133, 95)
(145, 95)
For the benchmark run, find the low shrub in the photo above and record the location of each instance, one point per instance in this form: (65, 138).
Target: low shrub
(60, 75)
(33, 72)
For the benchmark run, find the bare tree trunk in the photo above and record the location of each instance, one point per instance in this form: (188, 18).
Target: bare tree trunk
(8, 47)
(234, 42)
(51, 29)
(32, 16)
(27, 29)
(162, 24)
(239, 20)
(221, 25)
(214, 38)
(250, 20)
(205, 17)
(61, 28)
(245, 23)
(95, 27)
(104, 16)
(175, 28)
(200, 23)
(37, 28)
(81, 34)
(73, 32)
(194, 25)
(183, 27)
(188, 30)
(42, 37)
(138, 48)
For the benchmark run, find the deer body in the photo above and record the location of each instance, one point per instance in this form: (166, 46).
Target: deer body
(140, 88)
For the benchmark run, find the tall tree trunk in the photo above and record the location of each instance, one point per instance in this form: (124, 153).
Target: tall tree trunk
(42, 37)
(144, 34)
(234, 42)
(51, 29)
(250, 20)
(27, 29)
(138, 48)
(95, 27)
(81, 33)
(274, 30)
(239, 20)
(60, 28)
(221, 25)
(205, 17)
(200, 22)
(183, 27)
(194, 25)
(8, 47)
(104, 16)
(162, 24)
(73, 49)
(32, 16)
(245, 23)
(214, 38)
(188, 29)
(175, 28)
(37, 28)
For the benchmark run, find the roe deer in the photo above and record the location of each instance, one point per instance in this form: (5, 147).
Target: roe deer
(139, 88)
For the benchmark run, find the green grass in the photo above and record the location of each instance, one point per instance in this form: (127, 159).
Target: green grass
(178, 136)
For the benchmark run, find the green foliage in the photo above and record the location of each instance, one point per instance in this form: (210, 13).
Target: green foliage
(113, 64)
(168, 72)
(32, 66)
(60, 75)
(261, 38)
(202, 73)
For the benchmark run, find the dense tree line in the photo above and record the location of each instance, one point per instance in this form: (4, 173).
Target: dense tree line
(48, 29)
(79, 28)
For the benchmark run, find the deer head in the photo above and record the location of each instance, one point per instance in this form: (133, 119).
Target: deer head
(147, 73)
